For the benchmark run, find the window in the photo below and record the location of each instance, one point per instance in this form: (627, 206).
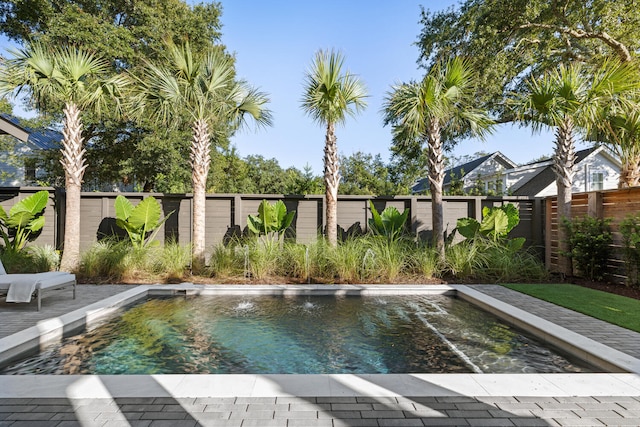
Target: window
(30, 166)
(499, 186)
(597, 181)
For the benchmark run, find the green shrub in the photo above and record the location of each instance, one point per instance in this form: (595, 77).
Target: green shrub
(590, 242)
(263, 257)
(294, 261)
(44, 258)
(497, 223)
(322, 269)
(350, 259)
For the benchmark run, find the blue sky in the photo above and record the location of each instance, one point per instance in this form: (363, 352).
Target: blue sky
(274, 43)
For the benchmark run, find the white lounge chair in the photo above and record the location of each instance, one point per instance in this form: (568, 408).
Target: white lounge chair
(22, 287)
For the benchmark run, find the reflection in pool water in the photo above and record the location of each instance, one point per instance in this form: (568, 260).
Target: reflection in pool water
(299, 335)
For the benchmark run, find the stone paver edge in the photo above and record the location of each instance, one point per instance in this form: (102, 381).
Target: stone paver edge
(592, 351)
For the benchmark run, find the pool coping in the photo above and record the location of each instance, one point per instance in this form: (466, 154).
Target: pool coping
(52, 330)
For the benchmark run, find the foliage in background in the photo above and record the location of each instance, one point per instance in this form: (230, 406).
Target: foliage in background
(390, 223)
(630, 231)
(511, 40)
(141, 222)
(363, 173)
(24, 221)
(128, 33)
(590, 242)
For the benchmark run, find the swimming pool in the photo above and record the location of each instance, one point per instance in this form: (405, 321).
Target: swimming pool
(300, 335)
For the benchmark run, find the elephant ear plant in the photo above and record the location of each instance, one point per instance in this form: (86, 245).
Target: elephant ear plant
(496, 224)
(141, 222)
(24, 221)
(271, 219)
(389, 223)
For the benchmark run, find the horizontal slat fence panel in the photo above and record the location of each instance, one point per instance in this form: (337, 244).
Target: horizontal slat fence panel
(615, 205)
(226, 214)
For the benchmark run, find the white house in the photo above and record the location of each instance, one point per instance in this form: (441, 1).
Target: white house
(595, 169)
(17, 166)
(486, 171)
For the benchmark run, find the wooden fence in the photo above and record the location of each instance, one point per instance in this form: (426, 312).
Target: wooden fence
(613, 204)
(227, 214)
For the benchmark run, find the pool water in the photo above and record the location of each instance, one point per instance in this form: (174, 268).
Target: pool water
(299, 335)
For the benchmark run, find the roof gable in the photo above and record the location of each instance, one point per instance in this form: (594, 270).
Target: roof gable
(43, 139)
(467, 168)
(547, 176)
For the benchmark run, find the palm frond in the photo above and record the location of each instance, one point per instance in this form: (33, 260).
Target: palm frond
(330, 95)
(445, 94)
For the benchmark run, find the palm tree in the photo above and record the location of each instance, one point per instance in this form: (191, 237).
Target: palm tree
(620, 130)
(329, 97)
(571, 98)
(424, 111)
(201, 89)
(76, 79)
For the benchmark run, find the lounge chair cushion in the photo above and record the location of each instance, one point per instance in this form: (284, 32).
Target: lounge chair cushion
(20, 287)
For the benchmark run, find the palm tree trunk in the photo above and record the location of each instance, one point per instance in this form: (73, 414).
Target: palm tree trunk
(74, 164)
(564, 160)
(200, 161)
(436, 178)
(331, 181)
(630, 171)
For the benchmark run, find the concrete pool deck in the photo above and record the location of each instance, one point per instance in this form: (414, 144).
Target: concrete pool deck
(332, 400)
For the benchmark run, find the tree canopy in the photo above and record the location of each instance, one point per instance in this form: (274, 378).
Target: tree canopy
(512, 40)
(128, 33)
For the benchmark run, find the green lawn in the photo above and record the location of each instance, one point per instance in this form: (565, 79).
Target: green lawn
(621, 311)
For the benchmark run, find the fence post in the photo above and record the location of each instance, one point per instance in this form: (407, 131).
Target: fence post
(478, 208)
(595, 207)
(547, 231)
(237, 210)
(413, 206)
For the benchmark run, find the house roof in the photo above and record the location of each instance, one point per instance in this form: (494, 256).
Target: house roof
(547, 176)
(43, 139)
(423, 184)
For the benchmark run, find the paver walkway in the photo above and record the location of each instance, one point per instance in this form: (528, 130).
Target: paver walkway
(610, 335)
(326, 411)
